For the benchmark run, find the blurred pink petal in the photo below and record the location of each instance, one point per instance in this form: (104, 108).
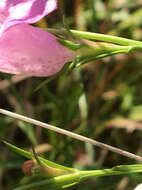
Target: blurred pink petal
(24, 11)
(25, 49)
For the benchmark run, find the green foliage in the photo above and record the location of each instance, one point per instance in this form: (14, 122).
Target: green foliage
(60, 177)
(100, 100)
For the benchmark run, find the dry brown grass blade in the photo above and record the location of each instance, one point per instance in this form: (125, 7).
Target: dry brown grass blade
(71, 134)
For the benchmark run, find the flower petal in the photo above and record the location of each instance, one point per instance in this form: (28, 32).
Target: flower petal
(25, 11)
(25, 49)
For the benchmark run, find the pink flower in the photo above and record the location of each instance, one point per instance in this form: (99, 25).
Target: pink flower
(25, 49)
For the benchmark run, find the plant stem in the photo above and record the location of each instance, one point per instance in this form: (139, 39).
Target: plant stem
(56, 182)
(118, 170)
(74, 178)
(99, 37)
(106, 38)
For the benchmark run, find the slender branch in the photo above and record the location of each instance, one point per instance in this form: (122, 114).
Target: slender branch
(71, 134)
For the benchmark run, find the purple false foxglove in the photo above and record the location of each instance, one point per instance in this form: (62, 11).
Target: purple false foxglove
(25, 49)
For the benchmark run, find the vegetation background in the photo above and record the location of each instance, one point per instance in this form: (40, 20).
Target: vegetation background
(101, 100)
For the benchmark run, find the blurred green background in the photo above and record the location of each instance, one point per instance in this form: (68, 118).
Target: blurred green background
(101, 100)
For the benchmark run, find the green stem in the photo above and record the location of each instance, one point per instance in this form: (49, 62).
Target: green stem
(83, 60)
(56, 182)
(118, 170)
(99, 37)
(106, 38)
(74, 178)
